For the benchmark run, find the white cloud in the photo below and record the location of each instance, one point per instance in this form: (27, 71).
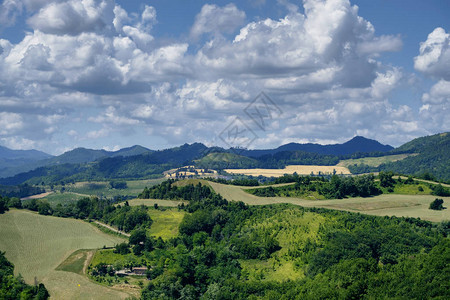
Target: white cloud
(91, 61)
(434, 58)
(217, 20)
(9, 10)
(10, 123)
(439, 93)
(95, 134)
(18, 143)
(73, 17)
(381, 44)
(111, 116)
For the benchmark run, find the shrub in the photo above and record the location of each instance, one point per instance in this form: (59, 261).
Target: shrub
(437, 204)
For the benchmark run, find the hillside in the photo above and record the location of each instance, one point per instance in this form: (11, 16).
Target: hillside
(225, 160)
(432, 156)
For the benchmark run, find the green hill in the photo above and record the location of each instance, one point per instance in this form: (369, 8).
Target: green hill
(225, 161)
(432, 157)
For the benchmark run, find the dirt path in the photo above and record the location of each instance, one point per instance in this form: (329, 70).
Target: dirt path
(38, 196)
(423, 180)
(112, 228)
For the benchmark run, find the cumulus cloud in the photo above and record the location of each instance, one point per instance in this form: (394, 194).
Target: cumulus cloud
(73, 17)
(434, 60)
(434, 57)
(91, 62)
(10, 123)
(217, 20)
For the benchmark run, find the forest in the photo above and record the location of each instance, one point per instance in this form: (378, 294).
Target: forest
(334, 254)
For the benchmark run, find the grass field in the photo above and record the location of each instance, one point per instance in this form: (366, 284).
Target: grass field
(165, 222)
(373, 161)
(77, 262)
(382, 205)
(299, 169)
(38, 244)
(63, 198)
(293, 230)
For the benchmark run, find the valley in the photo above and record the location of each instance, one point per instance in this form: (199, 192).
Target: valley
(263, 220)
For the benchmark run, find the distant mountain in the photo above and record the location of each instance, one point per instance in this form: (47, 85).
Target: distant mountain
(76, 156)
(16, 161)
(138, 162)
(8, 154)
(130, 151)
(356, 144)
(145, 165)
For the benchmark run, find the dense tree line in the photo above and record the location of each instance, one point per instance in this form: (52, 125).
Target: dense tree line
(6, 203)
(167, 190)
(237, 181)
(124, 217)
(12, 287)
(20, 191)
(334, 188)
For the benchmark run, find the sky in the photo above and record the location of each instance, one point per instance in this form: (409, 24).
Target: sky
(107, 74)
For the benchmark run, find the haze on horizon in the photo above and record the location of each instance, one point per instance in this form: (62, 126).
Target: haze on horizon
(112, 74)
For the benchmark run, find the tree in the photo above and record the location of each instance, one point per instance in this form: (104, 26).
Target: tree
(439, 190)
(437, 204)
(137, 236)
(15, 202)
(3, 205)
(44, 208)
(122, 248)
(386, 179)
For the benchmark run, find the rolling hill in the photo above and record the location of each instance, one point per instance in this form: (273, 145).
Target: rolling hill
(432, 157)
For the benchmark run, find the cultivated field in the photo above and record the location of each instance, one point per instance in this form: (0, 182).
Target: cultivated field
(299, 169)
(374, 161)
(383, 205)
(38, 244)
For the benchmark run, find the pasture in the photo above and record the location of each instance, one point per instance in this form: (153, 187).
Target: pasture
(374, 161)
(399, 205)
(165, 222)
(291, 169)
(37, 245)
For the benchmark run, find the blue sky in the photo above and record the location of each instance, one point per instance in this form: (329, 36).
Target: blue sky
(111, 74)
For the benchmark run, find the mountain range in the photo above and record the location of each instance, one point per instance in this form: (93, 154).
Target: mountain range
(140, 162)
(13, 162)
(356, 144)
